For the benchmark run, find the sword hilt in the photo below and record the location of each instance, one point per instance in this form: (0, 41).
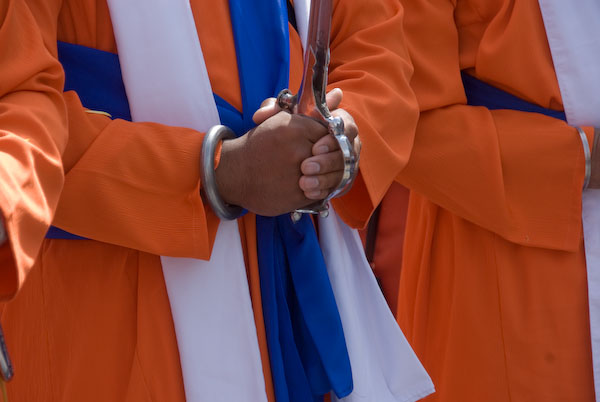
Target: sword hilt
(350, 153)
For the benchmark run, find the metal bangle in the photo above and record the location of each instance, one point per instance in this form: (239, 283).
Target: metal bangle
(207, 172)
(588, 157)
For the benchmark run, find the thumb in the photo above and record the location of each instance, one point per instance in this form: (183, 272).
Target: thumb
(334, 98)
(267, 109)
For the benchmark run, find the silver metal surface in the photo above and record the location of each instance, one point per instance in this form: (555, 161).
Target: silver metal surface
(207, 173)
(588, 157)
(311, 100)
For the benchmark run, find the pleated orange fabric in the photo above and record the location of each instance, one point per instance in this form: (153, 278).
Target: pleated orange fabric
(493, 289)
(33, 134)
(389, 237)
(92, 322)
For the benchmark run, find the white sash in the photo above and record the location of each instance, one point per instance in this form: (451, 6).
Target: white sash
(166, 81)
(384, 367)
(573, 31)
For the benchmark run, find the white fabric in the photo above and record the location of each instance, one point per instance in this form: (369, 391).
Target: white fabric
(166, 81)
(572, 29)
(574, 36)
(384, 367)
(591, 232)
(214, 323)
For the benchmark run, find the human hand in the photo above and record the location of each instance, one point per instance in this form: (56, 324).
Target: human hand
(322, 172)
(260, 171)
(269, 106)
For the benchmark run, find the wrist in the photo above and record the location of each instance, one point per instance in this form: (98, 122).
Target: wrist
(229, 172)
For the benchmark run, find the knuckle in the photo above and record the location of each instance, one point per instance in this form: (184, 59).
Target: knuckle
(299, 153)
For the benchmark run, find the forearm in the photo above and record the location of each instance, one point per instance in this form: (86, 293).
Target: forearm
(517, 174)
(135, 185)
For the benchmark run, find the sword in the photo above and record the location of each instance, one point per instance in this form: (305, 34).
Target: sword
(310, 101)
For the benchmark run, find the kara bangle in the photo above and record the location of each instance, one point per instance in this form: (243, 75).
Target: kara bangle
(207, 173)
(588, 157)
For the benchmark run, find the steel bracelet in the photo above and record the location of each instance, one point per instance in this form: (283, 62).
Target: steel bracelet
(588, 157)
(207, 173)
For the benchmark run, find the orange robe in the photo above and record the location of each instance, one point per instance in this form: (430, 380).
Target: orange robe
(493, 290)
(93, 322)
(33, 134)
(386, 246)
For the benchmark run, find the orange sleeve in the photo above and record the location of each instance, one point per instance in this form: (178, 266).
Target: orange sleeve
(32, 136)
(134, 185)
(370, 63)
(517, 174)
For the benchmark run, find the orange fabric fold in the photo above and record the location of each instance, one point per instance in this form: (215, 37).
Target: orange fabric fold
(33, 134)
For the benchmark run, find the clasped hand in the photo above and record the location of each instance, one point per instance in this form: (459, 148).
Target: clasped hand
(285, 163)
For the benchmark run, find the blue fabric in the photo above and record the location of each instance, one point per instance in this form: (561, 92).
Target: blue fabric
(307, 348)
(480, 93)
(57, 233)
(96, 77)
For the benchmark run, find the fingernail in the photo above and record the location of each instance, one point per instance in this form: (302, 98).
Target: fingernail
(313, 195)
(323, 149)
(311, 168)
(310, 183)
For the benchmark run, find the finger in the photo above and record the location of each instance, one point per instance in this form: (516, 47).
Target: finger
(322, 164)
(317, 194)
(334, 98)
(268, 108)
(312, 184)
(325, 145)
(350, 127)
(268, 101)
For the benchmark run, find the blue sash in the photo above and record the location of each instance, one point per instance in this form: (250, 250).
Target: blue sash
(480, 93)
(307, 348)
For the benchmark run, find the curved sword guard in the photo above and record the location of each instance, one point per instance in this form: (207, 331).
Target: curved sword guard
(350, 152)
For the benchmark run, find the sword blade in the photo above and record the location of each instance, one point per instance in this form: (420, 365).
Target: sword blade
(311, 96)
